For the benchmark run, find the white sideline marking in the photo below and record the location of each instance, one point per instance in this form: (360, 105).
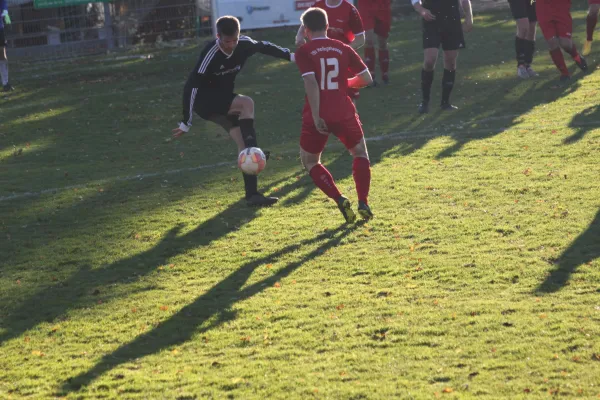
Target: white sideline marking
(16, 196)
(396, 135)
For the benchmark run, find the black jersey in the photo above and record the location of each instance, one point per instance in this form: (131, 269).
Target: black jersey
(216, 71)
(443, 9)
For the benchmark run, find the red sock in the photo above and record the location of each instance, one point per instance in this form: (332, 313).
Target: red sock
(361, 171)
(559, 61)
(591, 21)
(324, 181)
(384, 62)
(574, 53)
(370, 59)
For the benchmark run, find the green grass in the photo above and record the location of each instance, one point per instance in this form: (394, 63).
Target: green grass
(145, 276)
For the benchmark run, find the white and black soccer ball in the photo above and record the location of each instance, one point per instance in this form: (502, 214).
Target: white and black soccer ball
(252, 160)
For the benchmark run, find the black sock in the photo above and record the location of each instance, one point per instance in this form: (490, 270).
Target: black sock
(248, 132)
(249, 136)
(426, 81)
(250, 185)
(529, 50)
(447, 85)
(520, 49)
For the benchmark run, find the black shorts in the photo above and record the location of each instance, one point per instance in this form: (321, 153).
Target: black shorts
(214, 105)
(2, 38)
(447, 33)
(523, 9)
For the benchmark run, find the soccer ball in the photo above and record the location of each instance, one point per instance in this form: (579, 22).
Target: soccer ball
(252, 160)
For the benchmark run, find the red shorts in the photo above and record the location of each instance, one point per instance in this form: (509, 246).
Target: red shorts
(554, 19)
(556, 27)
(349, 132)
(377, 19)
(590, 2)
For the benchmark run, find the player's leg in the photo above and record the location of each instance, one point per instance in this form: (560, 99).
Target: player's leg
(590, 24)
(245, 135)
(568, 46)
(530, 41)
(312, 144)
(557, 58)
(450, 57)
(366, 13)
(350, 133)
(521, 47)
(429, 60)
(452, 40)
(518, 9)
(382, 30)
(4, 64)
(565, 33)
(549, 31)
(370, 52)
(361, 172)
(431, 44)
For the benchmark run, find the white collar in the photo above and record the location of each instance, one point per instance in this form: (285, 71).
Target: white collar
(223, 51)
(339, 4)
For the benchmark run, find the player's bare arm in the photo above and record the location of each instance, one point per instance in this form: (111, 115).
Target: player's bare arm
(311, 86)
(361, 80)
(468, 12)
(425, 13)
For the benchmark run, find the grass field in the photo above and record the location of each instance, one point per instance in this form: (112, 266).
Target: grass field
(131, 268)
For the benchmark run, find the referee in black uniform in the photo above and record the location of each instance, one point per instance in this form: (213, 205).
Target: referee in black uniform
(441, 26)
(209, 92)
(523, 11)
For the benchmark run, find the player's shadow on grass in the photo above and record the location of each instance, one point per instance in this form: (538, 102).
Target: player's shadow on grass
(214, 306)
(530, 98)
(584, 249)
(339, 162)
(584, 122)
(53, 302)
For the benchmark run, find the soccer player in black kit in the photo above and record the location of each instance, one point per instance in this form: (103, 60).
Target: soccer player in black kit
(209, 91)
(441, 26)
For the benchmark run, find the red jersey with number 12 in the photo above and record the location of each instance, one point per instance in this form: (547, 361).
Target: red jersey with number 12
(344, 20)
(333, 63)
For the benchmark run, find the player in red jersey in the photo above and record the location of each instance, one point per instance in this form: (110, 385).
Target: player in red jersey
(345, 25)
(554, 18)
(377, 20)
(590, 24)
(329, 67)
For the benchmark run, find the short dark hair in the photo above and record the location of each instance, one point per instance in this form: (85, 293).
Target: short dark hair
(314, 19)
(228, 25)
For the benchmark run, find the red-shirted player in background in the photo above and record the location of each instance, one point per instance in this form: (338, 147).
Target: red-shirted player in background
(345, 25)
(554, 18)
(590, 24)
(377, 20)
(328, 68)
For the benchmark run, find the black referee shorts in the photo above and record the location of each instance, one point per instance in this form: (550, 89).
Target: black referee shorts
(2, 38)
(445, 32)
(214, 105)
(523, 9)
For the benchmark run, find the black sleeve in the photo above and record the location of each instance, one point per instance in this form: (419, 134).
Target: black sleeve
(267, 48)
(195, 82)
